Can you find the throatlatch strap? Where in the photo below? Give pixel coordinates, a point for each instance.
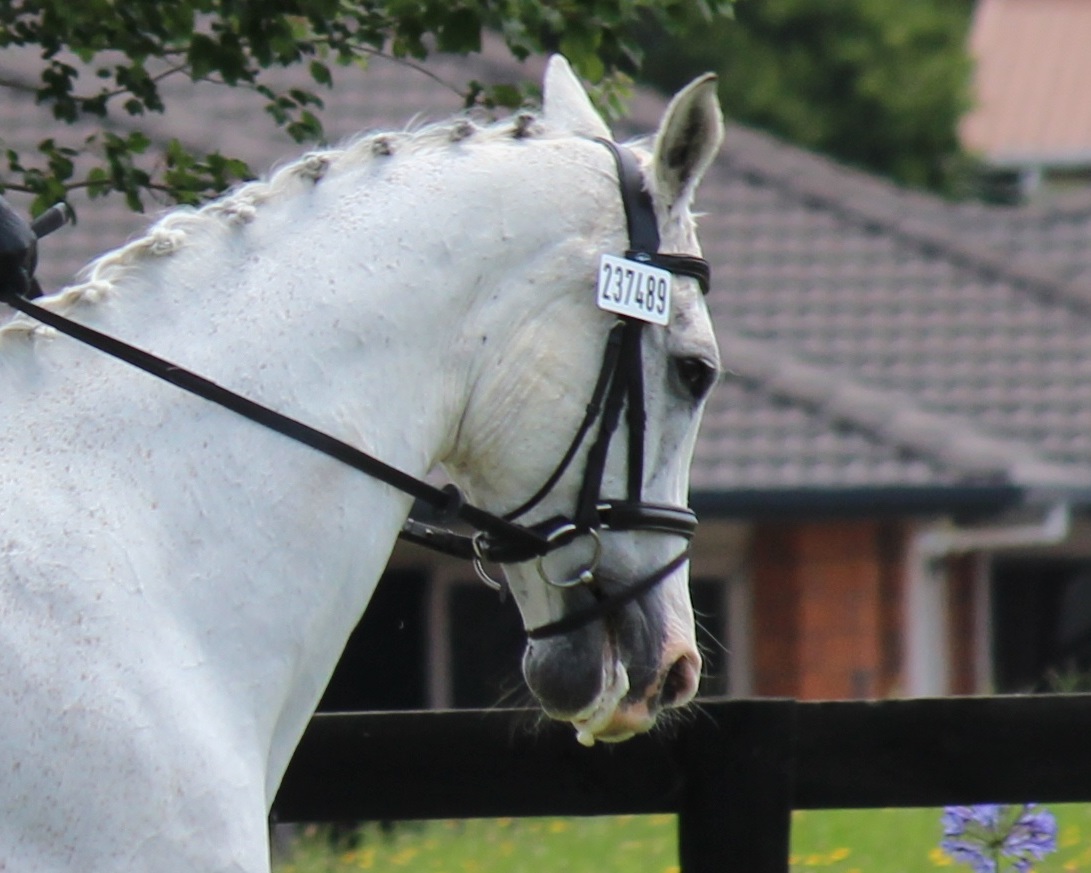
(591, 414)
(587, 516)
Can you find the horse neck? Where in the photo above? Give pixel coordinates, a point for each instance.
(340, 309)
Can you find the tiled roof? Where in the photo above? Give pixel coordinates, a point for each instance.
(1033, 72)
(982, 353)
(876, 340)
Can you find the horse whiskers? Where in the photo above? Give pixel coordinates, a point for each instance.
(710, 637)
(695, 710)
(516, 694)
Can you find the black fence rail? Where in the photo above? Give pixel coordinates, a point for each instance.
(733, 772)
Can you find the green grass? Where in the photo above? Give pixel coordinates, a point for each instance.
(875, 841)
(604, 845)
(844, 841)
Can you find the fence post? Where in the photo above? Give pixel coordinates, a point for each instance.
(736, 808)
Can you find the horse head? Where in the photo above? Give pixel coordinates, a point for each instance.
(608, 614)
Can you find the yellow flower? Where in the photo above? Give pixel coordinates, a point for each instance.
(939, 858)
(558, 826)
(403, 857)
(840, 854)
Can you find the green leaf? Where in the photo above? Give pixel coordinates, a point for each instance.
(460, 32)
(201, 56)
(321, 73)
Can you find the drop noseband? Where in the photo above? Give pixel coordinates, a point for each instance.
(501, 539)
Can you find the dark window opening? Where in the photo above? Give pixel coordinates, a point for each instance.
(710, 610)
(487, 643)
(384, 663)
(1042, 625)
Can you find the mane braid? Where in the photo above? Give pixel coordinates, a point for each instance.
(101, 277)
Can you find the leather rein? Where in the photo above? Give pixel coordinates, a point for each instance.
(497, 538)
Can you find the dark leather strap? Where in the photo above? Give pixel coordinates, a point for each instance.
(640, 216)
(681, 265)
(608, 605)
(591, 415)
(662, 517)
(448, 501)
(642, 223)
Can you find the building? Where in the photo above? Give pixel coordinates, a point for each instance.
(1031, 123)
(893, 478)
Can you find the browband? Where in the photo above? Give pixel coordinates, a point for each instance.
(641, 221)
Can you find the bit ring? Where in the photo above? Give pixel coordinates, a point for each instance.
(586, 574)
(479, 565)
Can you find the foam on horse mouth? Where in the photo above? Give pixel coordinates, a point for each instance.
(591, 722)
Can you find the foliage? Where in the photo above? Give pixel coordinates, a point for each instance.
(880, 84)
(105, 60)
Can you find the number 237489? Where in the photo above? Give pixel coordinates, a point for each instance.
(631, 288)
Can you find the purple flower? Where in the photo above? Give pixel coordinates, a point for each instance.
(988, 834)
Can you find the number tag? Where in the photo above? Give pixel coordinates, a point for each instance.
(631, 288)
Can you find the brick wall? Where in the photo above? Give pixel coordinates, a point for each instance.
(961, 609)
(827, 609)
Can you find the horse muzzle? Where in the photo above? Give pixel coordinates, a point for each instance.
(611, 682)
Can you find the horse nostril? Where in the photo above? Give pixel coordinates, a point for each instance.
(680, 683)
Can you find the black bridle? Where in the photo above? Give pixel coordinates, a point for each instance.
(497, 538)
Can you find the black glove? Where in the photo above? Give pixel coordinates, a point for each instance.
(18, 253)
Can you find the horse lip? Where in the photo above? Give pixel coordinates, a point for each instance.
(593, 721)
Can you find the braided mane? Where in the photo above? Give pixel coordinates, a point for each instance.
(178, 227)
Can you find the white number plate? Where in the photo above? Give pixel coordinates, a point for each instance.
(634, 289)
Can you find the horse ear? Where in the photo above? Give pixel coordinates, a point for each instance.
(565, 103)
(688, 138)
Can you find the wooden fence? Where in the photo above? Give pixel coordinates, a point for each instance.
(732, 772)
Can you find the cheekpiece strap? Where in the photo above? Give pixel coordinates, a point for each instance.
(639, 212)
(642, 224)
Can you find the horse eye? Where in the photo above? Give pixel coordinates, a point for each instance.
(696, 375)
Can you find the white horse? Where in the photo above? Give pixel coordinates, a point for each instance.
(177, 583)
